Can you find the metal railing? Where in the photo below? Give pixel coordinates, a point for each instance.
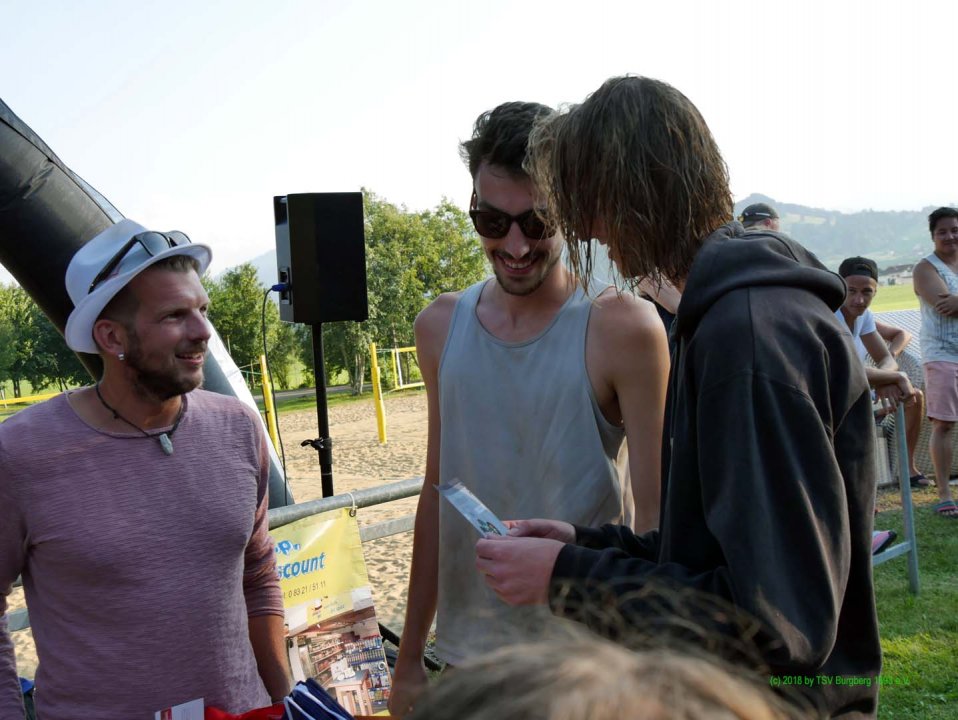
(910, 545)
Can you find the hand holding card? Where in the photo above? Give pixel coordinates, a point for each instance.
(472, 508)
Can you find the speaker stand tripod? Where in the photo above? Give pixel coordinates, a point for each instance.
(323, 444)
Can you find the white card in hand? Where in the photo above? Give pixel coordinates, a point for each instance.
(471, 508)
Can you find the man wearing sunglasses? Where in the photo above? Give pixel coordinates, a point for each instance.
(765, 538)
(135, 510)
(533, 387)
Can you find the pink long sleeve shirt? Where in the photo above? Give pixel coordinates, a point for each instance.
(140, 569)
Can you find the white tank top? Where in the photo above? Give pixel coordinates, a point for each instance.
(939, 333)
(521, 428)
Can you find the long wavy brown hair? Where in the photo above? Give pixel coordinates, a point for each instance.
(636, 161)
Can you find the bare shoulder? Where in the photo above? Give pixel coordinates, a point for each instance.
(626, 342)
(622, 317)
(432, 324)
(884, 328)
(627, 353)
(922, 269)
(927, 281)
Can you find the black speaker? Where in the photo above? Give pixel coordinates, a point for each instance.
(321, 254)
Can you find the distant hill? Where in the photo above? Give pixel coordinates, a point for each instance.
(265, 265)
(888, 237)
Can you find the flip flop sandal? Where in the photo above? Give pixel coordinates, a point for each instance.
(946, 509)
(881, 539)
(919, 481)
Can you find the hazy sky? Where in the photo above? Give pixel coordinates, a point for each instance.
(192, 115)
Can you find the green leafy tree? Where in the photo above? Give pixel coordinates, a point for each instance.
(18, 317)
(410, 259)
(282, 349)
(8, 348)
(55, 364)
(304, 353)
(454, 258)
(236, 307)
(33, 349)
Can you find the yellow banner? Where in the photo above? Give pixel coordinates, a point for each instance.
(332, 634)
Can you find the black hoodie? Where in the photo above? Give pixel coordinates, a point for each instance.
(771, 490)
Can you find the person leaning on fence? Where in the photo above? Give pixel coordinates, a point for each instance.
(136, 509)
(892, 387)
(936, 284)
(883, 344)
(533, 387)
(769, 499)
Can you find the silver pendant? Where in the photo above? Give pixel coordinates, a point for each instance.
(166, 444)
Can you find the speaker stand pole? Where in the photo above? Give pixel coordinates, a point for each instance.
(323, 444)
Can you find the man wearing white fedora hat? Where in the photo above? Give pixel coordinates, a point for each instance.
(135, 510)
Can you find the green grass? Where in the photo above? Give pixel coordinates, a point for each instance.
(919, 634)
(11, 406)
(26, 389)
(895, 297)
(309, 401)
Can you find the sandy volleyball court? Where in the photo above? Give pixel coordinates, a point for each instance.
(359, 461)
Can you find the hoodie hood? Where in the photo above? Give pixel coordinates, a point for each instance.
(732, 258)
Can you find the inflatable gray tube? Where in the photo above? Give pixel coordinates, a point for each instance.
(46, 214)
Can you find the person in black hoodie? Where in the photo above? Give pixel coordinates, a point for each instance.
(768, 504)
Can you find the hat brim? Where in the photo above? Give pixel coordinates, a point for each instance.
(79, 328)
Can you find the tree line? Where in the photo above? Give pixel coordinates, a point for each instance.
(411, 257)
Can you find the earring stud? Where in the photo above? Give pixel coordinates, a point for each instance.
(121, 357)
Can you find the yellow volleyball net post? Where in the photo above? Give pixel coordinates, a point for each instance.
(403, 377)
(268, 402)
(25, 399)
(377, 395)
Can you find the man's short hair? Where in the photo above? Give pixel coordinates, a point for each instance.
(501, 137)
(756, 213)
(859, 266)
(940, 214)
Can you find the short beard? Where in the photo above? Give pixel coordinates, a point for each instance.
(524, 291)
(149, 383)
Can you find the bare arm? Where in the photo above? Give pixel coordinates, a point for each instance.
(932, 289)
(267, 636)
(889, 383)
(264, 599)
(878, 351)
(12, 562)
(895, 338)
(410, 678)
(628, 359)
(891, 387)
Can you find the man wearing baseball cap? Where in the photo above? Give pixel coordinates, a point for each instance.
(760, 216)
(135, 510)
(883, 344)
(891, 386)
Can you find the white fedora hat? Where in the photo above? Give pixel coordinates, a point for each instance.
(90, 260)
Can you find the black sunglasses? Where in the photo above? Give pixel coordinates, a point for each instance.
(495, 224)
(153, 242)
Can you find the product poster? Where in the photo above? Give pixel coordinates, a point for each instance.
(332, 634)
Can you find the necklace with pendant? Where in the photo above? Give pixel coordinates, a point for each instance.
(165, 438)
